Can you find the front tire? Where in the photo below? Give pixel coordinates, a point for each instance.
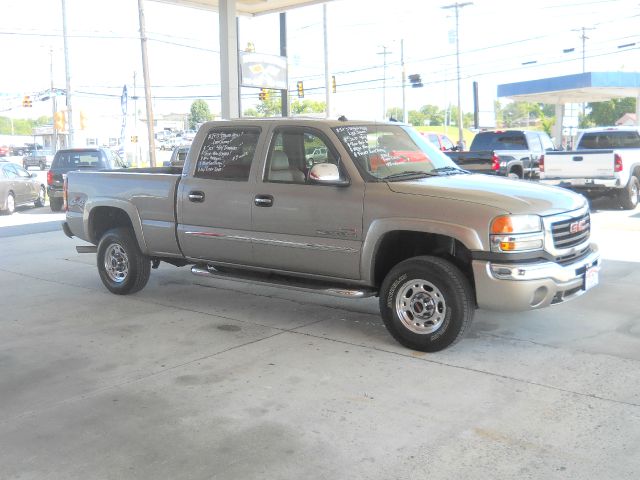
(629, 195)
(426, 303)
(10, 205)
(123, 268)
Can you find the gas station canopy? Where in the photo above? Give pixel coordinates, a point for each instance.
(579, 88)
(248, 7)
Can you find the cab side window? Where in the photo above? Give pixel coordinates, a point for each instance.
(293, 154)
(227, 154)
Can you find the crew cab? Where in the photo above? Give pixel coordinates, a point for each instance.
(511, 153)
(605, 162)
(431, 240)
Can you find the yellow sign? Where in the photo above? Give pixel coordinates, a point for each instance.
(134, 139)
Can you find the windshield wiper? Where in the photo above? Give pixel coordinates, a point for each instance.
(408, 175)
(450, 170)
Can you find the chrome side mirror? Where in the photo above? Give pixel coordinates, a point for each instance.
(326, 174)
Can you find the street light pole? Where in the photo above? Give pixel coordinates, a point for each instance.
(457, 6)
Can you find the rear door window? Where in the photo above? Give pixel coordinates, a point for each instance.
(80, 160)
(499, 141)
(612, 139)
(227, 154)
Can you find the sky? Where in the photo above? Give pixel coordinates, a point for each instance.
(497, 39)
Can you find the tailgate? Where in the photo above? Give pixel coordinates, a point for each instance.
(579, 164)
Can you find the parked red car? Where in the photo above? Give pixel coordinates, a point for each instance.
(440, 140)
(4, 151)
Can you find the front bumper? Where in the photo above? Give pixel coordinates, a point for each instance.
(528, 286)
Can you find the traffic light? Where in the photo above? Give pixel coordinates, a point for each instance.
(83, 120)
(26, 101)
(300, 89)
(415, 80)
(333, 83)
(59, 121)
(263, 95)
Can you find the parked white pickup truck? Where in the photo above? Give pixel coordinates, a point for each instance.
(606, 162)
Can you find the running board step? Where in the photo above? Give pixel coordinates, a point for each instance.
(283, 282)
(86, 249)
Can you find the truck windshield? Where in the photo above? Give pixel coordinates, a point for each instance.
(612, 139)
(499, 141)
(390, 151)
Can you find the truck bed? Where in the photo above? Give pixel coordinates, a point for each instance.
(579, 164)
(150, 192)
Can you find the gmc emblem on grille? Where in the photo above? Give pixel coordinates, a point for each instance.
(577, 227)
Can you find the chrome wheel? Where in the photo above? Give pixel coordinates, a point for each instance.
(633, 192)
(420, 306)
(116, 263)
(11, 203)
(41, 197)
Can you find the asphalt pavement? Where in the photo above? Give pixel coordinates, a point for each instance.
(205, 379)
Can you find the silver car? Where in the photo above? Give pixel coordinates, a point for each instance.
(18, 187)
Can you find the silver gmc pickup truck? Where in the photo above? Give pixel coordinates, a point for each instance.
(380, 213)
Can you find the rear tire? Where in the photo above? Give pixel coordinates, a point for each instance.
(426, 303)
(55, 204)
(123, 268)
(628, 197)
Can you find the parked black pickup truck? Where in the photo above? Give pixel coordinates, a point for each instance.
(511, 153)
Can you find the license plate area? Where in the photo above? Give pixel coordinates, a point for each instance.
(591, 277)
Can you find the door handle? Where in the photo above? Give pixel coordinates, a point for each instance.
(196, 196)
(263, 200)
(578, 159)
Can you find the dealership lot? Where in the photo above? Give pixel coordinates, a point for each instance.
(196, 378)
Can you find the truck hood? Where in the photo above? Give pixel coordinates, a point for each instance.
(512, 196)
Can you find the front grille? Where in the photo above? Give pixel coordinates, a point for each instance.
(571, 232)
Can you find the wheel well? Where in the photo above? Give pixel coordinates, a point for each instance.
(401, 245)
(106, 218)
(636, 172)
(516, 169)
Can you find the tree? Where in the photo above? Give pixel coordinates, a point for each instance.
(433, 114)
(606, 113)
(416, 118)
(22, 126)
(307, 106)
(395, 112)
(199, 113)
(270, 107)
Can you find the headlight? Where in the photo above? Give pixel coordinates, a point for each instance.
(516, 233)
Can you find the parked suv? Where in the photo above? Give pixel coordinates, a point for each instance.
(77, 159)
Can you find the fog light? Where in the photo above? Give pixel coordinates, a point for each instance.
(538, 296)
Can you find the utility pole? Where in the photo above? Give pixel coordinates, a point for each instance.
(53, 105)
(584, 38)
(67, 69)
(457, 6)
(327, 80)
(405, 116)
(135, 117)
(384, 53)
(147, 85)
